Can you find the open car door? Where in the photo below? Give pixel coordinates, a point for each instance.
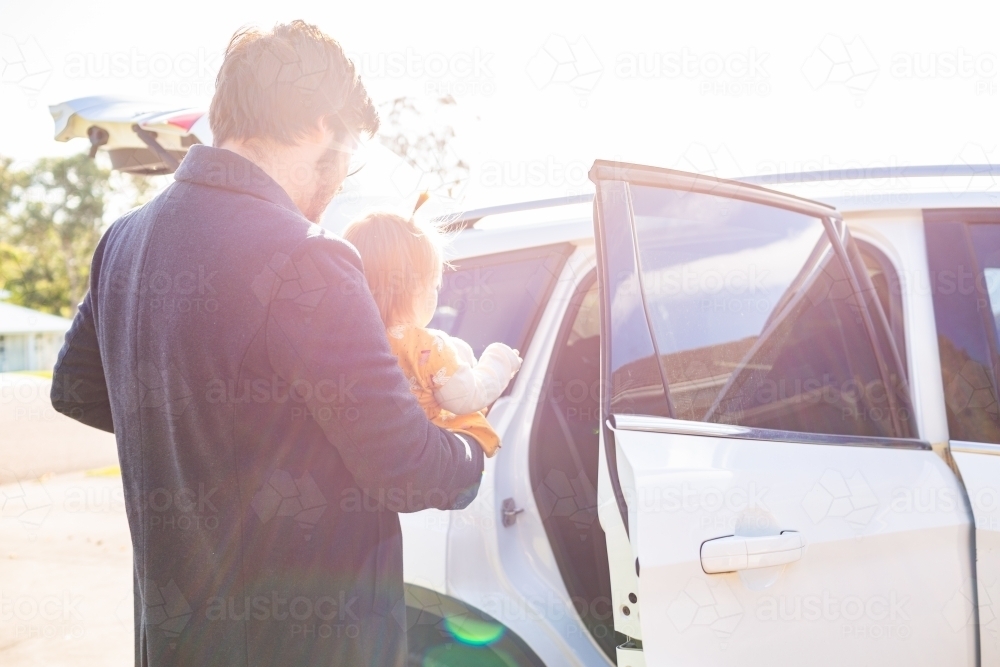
(765, 495)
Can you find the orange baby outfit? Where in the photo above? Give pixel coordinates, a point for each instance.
(430, 359)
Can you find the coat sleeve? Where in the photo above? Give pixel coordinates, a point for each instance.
(325, 338)
(79, 388)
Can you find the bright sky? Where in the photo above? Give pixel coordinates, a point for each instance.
(545, 88)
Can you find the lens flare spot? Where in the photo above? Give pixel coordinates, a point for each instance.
(472, 631)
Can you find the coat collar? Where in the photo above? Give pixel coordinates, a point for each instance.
(221, 168)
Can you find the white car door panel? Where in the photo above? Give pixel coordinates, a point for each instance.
(884, 563)
(763, 465)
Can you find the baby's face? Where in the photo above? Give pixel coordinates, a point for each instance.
(427, 302)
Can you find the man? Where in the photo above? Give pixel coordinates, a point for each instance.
(266, 435)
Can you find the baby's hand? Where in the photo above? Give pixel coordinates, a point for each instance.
(504, 354)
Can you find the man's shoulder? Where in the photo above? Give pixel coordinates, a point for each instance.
(323, 245)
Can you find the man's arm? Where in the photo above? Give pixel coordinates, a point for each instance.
(326, 339)
(79, 389)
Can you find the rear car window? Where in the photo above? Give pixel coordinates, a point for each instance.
(498, 298)
(963, 253)
(756, 321)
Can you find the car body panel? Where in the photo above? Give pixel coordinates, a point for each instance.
(870, 588)
(869, 545)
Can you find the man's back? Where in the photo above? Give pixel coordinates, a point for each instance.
(266, 435)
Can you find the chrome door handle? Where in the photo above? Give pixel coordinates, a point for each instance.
(729, 554)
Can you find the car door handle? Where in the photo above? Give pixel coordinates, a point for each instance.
(729, 554)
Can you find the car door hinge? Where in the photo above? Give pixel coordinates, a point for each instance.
(509, 512)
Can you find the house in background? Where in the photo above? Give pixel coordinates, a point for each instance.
(29, 340)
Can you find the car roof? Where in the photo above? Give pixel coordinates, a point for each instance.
(568, 219)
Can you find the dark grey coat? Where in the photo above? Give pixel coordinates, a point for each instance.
(267, 437)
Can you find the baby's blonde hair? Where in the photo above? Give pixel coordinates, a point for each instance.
(401, 259)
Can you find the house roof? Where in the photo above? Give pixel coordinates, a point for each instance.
(17, 319)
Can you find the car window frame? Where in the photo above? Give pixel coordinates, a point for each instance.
(838, 236)
(899, 334)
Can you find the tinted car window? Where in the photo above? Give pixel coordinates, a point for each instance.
(964, 261)
(756, 320)
(498, 298)
(637, 385)
(888, 291)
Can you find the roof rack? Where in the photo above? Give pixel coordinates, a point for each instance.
(466, 219)
(862, 173)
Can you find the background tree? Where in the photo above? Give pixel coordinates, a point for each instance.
(54, 211)
(52, 215)
(418, 130)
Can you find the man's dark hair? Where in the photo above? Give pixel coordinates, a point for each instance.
(276, 85)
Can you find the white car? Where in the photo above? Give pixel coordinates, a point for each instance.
(750, 429)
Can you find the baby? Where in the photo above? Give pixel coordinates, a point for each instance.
(403, 265)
